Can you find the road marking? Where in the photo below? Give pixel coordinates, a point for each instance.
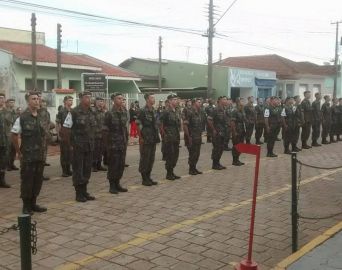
(309, 246)
(144, 237)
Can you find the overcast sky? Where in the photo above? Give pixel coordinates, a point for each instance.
(296, 29)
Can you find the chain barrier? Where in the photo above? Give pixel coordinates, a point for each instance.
(34, 235)
(301, 164)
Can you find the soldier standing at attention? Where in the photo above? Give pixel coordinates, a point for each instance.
(289, 124)
(238, 130)
(99, 112)
(82, 123)
(339, 120)
(317, 119)
(192, 126)
(307, 111)
(169, 129)
(45, 120)
(260, 121)
(4, 142)
(218, 124)
(30, 153)
(272, 116)
(298, 122)
(326, 120)
(12, 116)
(115, 126)
(229, 110)
(64, 135)
(148, 139)
(334, 121)
(209, 110)
(250, 119)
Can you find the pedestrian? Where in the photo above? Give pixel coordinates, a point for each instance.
(288, 116)
(192, 126)
(148, 139)
(308, 118)
(64, 136)
(250, 118)
(30, 153)
(218, 124)
(82, 123)
(99, 111)
(260, 121)
(272, 116)
(4, 141)
(316, 119)
(239, 121)
(326, 113)
(170, 131)
(115, 127)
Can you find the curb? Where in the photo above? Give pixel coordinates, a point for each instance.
(308, 247)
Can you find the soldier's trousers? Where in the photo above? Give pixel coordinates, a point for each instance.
(316, 130)
(326, 128)
(209, 134)
(227, 139)
(116, 164)
(194, 153)
(31, 174)
(249, 132)
(288, 136)
(239, 138)
(218, 147)
(65, 156)
(259, 130)
(306, 129)
(171, 152)
(271, 138)
(296, 132)
(147, 155)
(81, 166)
(3, 158)
(11, 155)
(98, 152)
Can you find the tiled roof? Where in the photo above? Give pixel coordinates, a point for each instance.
(46, 54)
(285, 68)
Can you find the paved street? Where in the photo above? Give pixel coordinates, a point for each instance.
(197, 222)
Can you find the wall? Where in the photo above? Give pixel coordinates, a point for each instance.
(310, 81)
(7, 81)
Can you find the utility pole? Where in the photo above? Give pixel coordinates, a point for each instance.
(210, 48)
(336, 59)
(160, 65)
(34, 51)
(59, 62)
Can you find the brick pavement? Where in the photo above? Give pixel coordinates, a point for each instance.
(198, 222)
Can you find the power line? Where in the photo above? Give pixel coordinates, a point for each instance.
(224, 13)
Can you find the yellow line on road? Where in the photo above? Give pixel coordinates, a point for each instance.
(142, 238)
(308, 247)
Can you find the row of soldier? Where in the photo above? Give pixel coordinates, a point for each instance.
(85, 131)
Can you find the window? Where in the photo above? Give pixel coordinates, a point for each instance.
(50, 85)
(42, 85)
(289, 90)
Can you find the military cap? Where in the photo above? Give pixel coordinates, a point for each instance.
(115, 95)
(99, 98)
(172, 95)
(10, 99)
(84, 93)
(67, 97)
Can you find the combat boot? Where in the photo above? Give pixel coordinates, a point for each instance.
(37, 208)
(295, 148)
(151, 180)
(3, 183)
(86, 194)
(27, 209)
(175, 176)
(197, 171)
(169, 175)
(315, 144)
(119, 187)
(145, 180)
(192, 171)
(79, 194)
(112, 188)
(217, 166)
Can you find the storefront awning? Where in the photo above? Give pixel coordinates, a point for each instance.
(265, 82)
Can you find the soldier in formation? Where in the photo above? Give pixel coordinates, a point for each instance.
(238, 120)
(4, 140)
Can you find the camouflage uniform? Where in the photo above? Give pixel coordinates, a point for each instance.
(273, 115)
(4, 145)
(239, 119)
(306, 128)
(98, 143)
(316, 120)
(149, 134)
(228, 111)
(259, 123)
(11, 117)
(250, 121)
(289, 114)
(65, 146)
(194, 121)
(45, 119)
(326, 122)
(115, 124)
(209, 110)
(298, 122)
(171, 124)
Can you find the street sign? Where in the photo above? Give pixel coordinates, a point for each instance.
(96, 83)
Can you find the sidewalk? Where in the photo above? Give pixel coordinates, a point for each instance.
(327, 256)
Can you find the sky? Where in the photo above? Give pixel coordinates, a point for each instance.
(300, 30)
